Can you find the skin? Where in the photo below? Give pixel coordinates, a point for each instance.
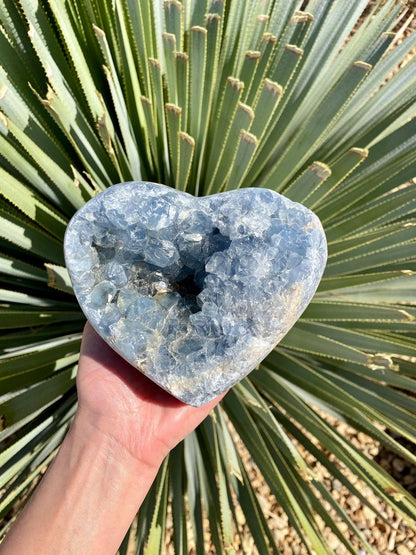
(124, 427)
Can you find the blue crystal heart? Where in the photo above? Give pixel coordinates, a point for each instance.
(194, 292)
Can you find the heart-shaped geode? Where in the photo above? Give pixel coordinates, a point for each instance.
(194, 292)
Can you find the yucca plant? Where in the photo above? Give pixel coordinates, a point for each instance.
(311, 99)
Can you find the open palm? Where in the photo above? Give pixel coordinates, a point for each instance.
(121, 402)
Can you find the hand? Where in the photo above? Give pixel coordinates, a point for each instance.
(121, 402)
(124, 426)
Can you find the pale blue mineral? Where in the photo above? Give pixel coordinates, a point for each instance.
(194, 292)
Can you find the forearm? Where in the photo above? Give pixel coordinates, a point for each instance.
(86, 500)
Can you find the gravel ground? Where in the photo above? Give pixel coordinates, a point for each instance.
(396, 537)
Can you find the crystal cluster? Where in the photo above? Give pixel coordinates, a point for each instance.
(194, 292)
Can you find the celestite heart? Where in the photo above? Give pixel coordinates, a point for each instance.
(194, 292)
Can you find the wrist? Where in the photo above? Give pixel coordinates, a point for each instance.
(118, 440)
(87, 499)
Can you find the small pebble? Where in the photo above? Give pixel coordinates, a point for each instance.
(399, 465)
(403, 550)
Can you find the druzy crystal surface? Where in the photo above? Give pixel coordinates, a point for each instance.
(194, 292)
